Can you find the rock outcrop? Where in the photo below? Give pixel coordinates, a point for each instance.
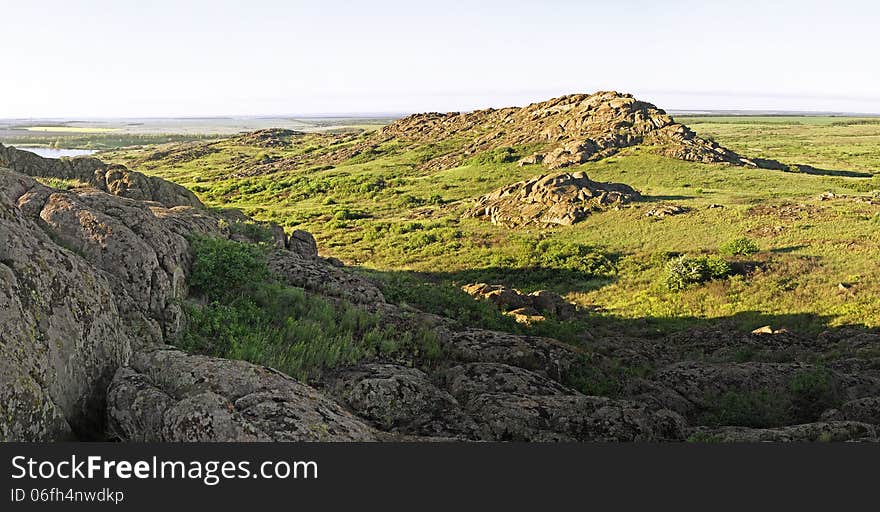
(555, 199)
(572, 129)
(512, 301)
(167, 395)
(835, 431)
(113, 179)
(91, 276)
(556, 133)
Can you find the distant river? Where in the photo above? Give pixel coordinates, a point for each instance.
(58, 153)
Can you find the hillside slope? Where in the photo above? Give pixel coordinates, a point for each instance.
(99, 280)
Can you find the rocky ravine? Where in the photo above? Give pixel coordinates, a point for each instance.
(92, 280)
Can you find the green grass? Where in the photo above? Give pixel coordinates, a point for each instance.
(385, 213)
(241, 312)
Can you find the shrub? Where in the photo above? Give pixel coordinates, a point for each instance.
(740, 246)
(347, 214)
(224, 269)
(684, 271)
(813, 392)
(256, 231)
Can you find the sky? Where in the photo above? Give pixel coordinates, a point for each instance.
(126, 58)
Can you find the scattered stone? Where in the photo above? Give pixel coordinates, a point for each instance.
(526, 315)
(666, 210)
(769, 330)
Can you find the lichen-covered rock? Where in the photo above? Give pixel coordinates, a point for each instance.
(320, 276)
(666, 210)
(473, 379)
(514, 417)
(543, 302)
(167, 395)
(556, 199)
(402, 399)
(61, 334)
(303, 243)
(865, 410)
(544, 355)
(693, 387)
(833, 431)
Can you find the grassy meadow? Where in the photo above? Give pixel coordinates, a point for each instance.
(816, 264)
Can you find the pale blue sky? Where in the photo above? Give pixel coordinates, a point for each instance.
(261, 57)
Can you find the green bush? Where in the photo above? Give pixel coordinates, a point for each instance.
(224, 269)
(684, 271)
(813, 392)
(740, 247)
(497, 156)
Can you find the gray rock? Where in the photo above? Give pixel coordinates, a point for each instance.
(513, 417)
(808, 432)
(547, 356)
(61, 335)
(556, 199)
(473, 379)
(113, 179)
(401, 399)
(167, 395)
(319, 276)
(303, 243)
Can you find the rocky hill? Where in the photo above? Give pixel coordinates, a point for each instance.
(559, 132)
(90, 301)
(94, 278)
(572, 129)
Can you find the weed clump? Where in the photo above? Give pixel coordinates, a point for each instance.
(739, 247)
(685, 271)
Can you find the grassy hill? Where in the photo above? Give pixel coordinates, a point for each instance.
(379, 204)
